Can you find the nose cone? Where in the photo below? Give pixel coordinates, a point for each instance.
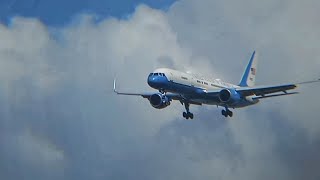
(157, 82)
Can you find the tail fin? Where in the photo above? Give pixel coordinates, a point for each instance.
(249, 76)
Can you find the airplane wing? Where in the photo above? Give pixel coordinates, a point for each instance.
(147, 95)
(266, 91)
(263, 90)
(144, 95)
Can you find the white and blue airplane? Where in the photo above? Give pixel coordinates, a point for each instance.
(190, 89)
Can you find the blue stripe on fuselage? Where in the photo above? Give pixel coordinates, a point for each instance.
(162, 83)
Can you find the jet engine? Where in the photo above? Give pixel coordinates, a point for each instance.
(159, 101)
(229, 96)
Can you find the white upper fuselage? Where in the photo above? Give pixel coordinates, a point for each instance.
(193, 80)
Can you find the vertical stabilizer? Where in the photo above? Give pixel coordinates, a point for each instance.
(249, 76)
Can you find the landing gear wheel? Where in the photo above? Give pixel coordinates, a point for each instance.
(227, 113)
(187, 114)
(224, 113)
(190, 115)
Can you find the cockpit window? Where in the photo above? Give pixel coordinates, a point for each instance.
(157, 74)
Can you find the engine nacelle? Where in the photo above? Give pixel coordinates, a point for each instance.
(159, 101)
(229, 96)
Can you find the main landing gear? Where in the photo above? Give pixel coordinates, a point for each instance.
(187, 114)
(227, 113)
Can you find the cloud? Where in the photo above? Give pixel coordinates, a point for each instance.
(60, 120)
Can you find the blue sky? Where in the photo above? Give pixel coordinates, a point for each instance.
(59, 12)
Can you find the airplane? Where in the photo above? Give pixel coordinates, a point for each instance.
(191, 89)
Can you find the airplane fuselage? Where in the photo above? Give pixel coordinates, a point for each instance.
(193, 88)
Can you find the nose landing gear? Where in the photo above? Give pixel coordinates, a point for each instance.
(162, 91)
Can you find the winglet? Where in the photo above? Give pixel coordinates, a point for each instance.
(114, 86)
(128, 93)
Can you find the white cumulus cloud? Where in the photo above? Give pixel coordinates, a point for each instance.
(60, 119)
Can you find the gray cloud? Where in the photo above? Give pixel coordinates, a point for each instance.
(60, 120)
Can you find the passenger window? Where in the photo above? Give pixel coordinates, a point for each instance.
(150, 74)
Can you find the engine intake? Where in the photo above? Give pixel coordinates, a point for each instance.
(229, 96)
(159, 101)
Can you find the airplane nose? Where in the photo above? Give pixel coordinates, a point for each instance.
(157, 82)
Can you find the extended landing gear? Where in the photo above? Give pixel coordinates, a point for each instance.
(227, 113)
(187, 114)
(162, 91)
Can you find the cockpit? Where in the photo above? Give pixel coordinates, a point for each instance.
(157, 80)
(157, 74)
